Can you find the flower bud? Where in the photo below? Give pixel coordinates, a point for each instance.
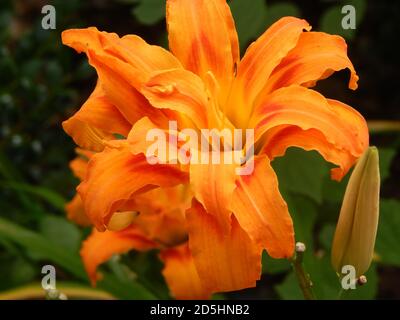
(121, 220)
(355, 234)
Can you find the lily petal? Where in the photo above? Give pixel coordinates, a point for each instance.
(131, 49)
(203, 37)
(91, 124)
(316, 56)
(79, 167)
(213, 186)
(74, 208)
(101, 246)
(181, 275)
(76, 212)
(224, 262)
(115, 175)
(278, 139)
(261, 211)
(118, 82)
(123, 65)
(162, 214)
(332, 128)
(259, 61)
(179, 90)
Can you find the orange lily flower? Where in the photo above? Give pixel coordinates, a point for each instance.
(74, 208)
(203, 83)
(159, 224)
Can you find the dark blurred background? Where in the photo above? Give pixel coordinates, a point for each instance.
(42, 83)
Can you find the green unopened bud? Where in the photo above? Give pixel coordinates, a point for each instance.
(355, 233)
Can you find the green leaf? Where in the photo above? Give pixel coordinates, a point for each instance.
(14, 270)
(385, 160)
(21, 271)
(48, 195)
(131, 290)
(326, 236)
(32, 241)
(289, 289)
(325, 282)
(333, 191)
(388, 238)
(250, 19)
(150, 12)
(331, 21)
(11, 174)
(35, 242)
(302, 173)
(304, 213)
(274, 266)
(61, 232)
(148, 269)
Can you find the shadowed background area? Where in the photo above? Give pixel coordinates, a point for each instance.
(43, 83)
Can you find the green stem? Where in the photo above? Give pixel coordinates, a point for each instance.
(303, 278)
(339, 297)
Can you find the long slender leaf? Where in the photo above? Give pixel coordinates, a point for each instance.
(46, 194)
(70, 262)
(71, 290)
(35, 242)
(10, 173)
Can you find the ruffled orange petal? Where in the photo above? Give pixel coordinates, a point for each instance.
(261, 211)
(332, 128)
(203, 37)
(316, 56)
(101, 246)
(131, 49)
(260, 59)
(137, 138)
(115, 175)
(85, 135)
(76, 212)
(79, 167)
(91, 124)
(181, 275)
(162, 214)
(74, 208)
(80, 163)
(280, 138)
(118, 82)
(123, 65)
(224, 262)
(213, 186)
(181, 91)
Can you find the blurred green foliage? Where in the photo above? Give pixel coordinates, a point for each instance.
(42, 83)
(332, 18)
